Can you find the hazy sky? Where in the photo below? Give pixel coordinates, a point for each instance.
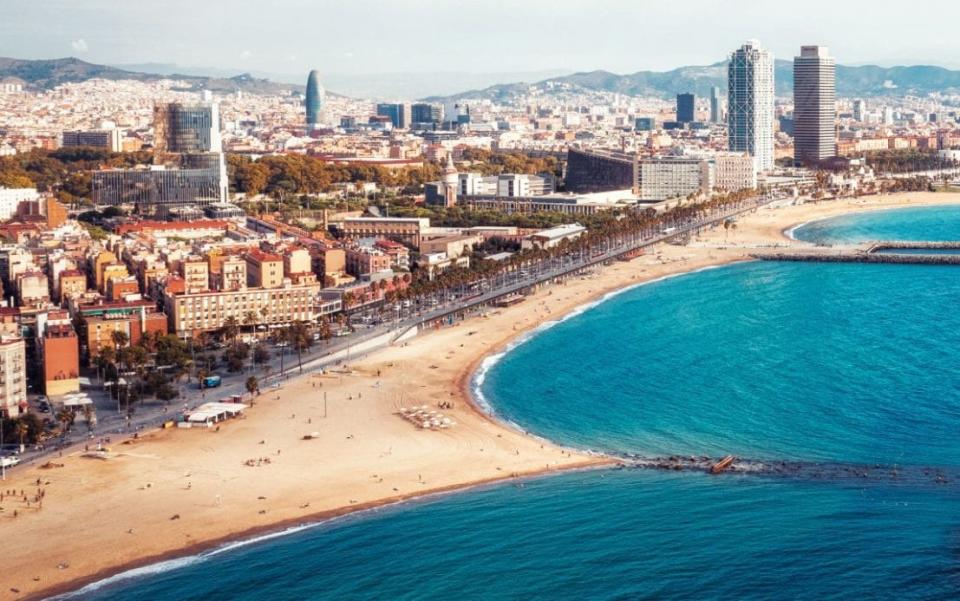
(365, 36)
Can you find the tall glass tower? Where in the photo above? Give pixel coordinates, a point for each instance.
(182, 128)
(750, 103)
(314, 101)
(814, 105)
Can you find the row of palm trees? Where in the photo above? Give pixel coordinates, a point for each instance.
(612, 230)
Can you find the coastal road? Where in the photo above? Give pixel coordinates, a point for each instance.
(445, 306)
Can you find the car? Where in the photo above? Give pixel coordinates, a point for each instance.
(9, 461)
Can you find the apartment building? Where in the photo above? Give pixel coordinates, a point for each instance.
(61, 360)
(734, 171)
(264, 270)
(13, 376)
(190, 314)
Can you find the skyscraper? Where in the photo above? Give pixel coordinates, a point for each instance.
(750, 103)
(314, 100)
(685, 108)
(814, 105)
(715, 108)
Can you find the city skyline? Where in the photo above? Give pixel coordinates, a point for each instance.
(274, 43)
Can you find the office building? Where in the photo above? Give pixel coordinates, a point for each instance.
(398, 113)
(423, 113)
(686, 108)
(644, 124)
(462, 186)
(716, 108)
(186, 128)
(600, 171)
(814, 106)
(107, 139)
(750, 90)
(314, 99)
(157, 186)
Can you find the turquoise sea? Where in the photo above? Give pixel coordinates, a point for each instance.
(814, 363)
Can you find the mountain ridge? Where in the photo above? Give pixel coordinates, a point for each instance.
(49, 73)
(859, 81)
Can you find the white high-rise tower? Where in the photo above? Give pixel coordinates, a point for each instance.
(750, 103)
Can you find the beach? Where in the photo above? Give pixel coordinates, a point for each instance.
(176, 492)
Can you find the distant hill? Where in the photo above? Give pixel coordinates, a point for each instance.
(45, 74)
(859, 81)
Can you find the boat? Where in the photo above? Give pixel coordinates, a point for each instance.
(722, 465)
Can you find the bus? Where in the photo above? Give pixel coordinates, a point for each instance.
(211, 381)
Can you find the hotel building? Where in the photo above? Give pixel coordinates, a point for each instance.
(750, 103)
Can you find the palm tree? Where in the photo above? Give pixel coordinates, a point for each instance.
(119, 338)
(88, 416)
(105, 357)
(253, 386)
(21, 430)
(65, 417)
(250, 320)
(202, 374)
(299, 336)
(281, 336)
(230, 328)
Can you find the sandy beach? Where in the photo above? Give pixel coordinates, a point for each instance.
(176, 492)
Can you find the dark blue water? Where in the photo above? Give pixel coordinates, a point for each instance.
(819, 362)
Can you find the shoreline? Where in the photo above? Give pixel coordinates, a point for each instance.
(68, 589)
(661, 262)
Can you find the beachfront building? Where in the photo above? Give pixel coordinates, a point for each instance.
(734, 171)
(554, 236)
(674, 177)
(190, 314)
(134, 318)
(61, 360)
(566, 203)
(13, 376)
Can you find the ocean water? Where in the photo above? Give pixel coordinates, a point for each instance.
(819, 363)
(916, 223)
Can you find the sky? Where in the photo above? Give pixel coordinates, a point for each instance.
(358, 37)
